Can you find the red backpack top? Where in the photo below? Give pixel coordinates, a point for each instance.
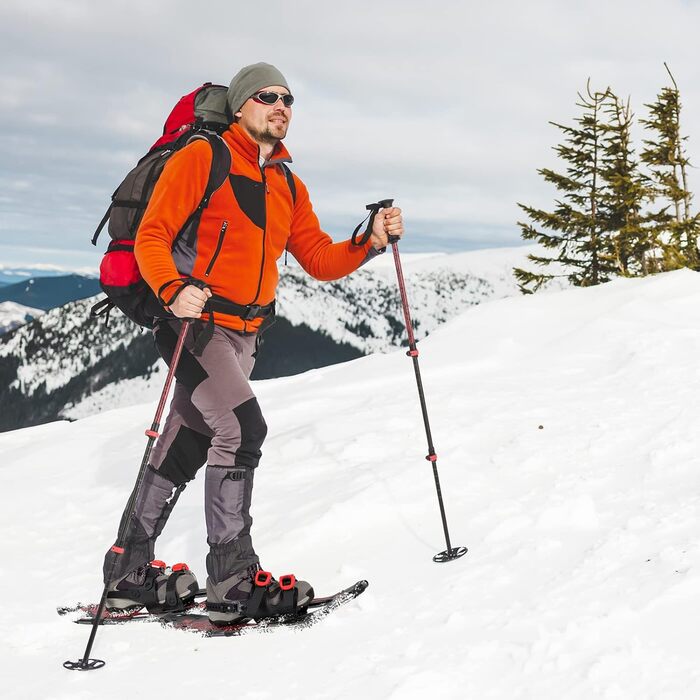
(203, 108)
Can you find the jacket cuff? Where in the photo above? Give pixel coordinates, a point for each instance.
(372, 252)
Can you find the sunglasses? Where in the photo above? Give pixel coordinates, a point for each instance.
(270, 98)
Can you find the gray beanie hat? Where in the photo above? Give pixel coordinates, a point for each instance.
(249, 80)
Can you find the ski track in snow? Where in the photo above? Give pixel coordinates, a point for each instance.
(583, 575)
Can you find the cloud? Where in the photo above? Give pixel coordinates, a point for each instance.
(444, 106)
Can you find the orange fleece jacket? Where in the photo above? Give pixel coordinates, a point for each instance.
(250, 220)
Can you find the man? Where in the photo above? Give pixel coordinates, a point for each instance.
(214, 416)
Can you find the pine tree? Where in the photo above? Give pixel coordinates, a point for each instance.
(578, 228)
(676, 227)
(631, 238)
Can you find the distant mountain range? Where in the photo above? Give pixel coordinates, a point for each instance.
(11, 274)
(66, 365)
(49, 292)
(25, 293)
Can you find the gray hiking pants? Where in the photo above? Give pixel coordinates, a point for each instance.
(215, 418)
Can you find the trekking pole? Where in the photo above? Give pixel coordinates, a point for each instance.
(86, 663)
(450, 552)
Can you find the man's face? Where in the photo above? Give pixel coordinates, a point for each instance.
(266, 123)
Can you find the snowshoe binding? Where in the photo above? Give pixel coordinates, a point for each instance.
(255, 595)
(154, 586)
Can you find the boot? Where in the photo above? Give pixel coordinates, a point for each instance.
(140, 527)
(255, 594)
(155, 587)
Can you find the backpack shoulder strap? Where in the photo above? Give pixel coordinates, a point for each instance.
(220, 164)
(290, 181)
(102, 223)
(220, 168)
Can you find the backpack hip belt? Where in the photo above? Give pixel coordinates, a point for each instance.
(205, 331)
(222, 305)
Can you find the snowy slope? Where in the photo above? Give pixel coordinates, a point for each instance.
(439, 286)
(68, 365)
(566, 428)
(13, 315)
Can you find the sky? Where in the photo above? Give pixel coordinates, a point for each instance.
(445, 107)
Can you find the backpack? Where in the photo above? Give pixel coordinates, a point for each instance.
(204, 114)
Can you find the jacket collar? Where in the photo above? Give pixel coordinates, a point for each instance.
(246, 147)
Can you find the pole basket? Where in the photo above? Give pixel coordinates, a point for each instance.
(450, 555)
(83, 665)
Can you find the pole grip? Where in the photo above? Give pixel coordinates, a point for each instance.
(373, 210)
(385, 204)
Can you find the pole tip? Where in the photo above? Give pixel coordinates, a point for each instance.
(451, 555)
(83, 665)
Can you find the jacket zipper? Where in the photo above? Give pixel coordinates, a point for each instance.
(264, 236)
(220, 242)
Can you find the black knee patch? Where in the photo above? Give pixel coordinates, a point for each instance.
(253, 432)
(188, 371)
(186, 455)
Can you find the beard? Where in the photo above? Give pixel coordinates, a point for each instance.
(271, 134)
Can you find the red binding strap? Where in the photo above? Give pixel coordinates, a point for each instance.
(263, 578)
(287, 582)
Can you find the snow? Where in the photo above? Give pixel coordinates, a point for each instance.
(63, 342)
(439, 286)
(565, 426)
(13, 314)
(125, 392)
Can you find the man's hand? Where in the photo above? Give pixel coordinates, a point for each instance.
(388, 222)
(190, 302)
